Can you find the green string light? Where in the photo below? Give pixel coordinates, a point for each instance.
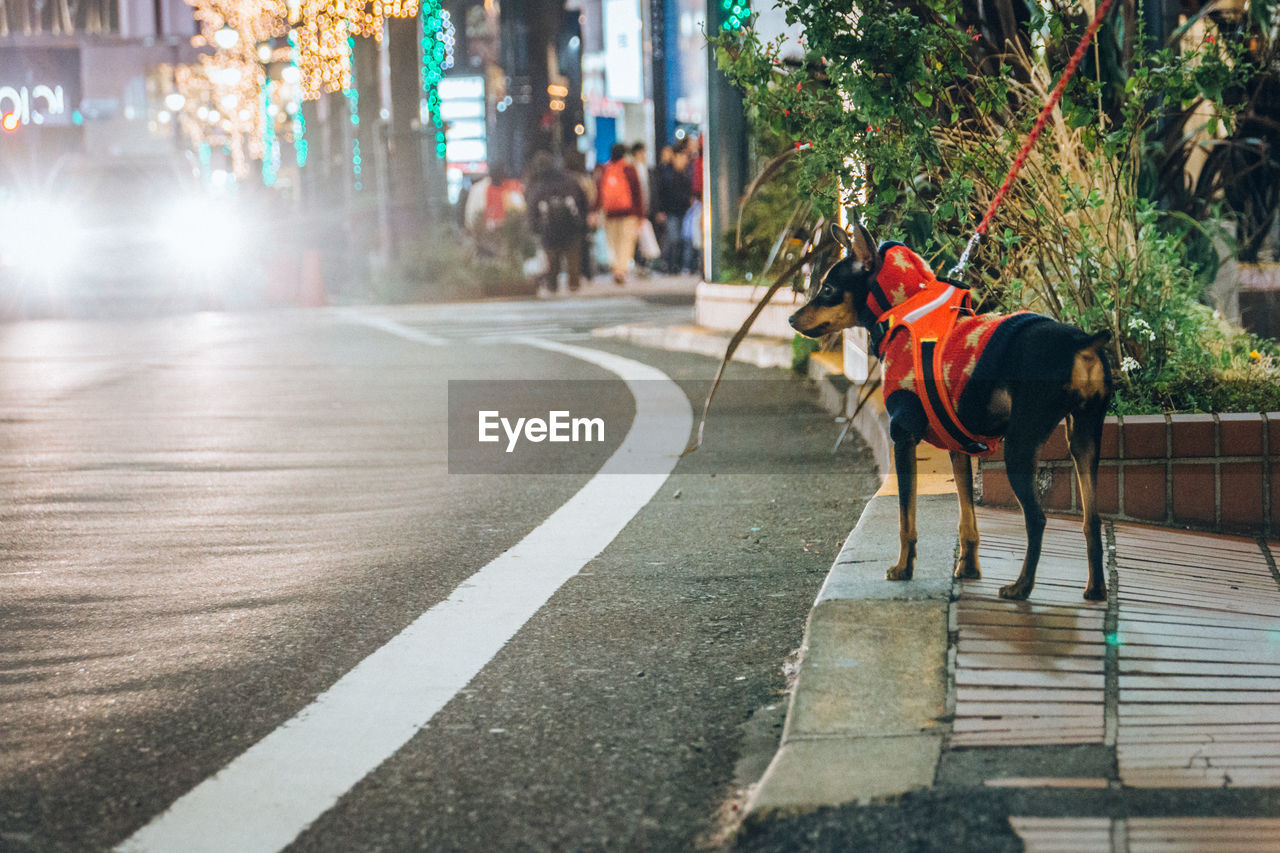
(353, 102)
(270, 145)
(438, 39)
(299, 123)
(737, 15)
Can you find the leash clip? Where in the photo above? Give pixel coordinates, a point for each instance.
(958, 270)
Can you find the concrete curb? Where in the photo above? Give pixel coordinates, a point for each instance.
(756, 350)
(868, 716)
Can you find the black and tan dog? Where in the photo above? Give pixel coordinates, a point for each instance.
(1030, 373)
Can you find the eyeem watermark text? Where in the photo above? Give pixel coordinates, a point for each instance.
(558, 426)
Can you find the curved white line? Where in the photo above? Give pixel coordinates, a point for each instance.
(393, 328)
(267, 796)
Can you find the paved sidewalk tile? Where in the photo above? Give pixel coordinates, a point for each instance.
(1178, 677)
(1028, 672)
(1199, 661)
(1148, 835)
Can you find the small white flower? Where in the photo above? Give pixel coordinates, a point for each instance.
(1129, 364)
(1139, 325)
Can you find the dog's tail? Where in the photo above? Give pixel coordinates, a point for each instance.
(1090, 377)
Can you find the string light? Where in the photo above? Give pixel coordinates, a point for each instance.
(737, 15)
(270, 146)
(324, 27)
(438, 39)
(353, 101)
(300, 145)
(319, 34)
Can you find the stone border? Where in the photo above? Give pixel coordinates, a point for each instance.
(724, 307)
(1216, 472)
(754, 349)
(868, 713)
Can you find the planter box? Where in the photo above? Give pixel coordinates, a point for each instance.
(1217, 472)
(857, 354)
(724, 307)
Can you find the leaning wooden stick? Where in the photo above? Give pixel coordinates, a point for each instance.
(812, 254)
(872, 387)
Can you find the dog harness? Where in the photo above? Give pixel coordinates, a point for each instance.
(930, 344)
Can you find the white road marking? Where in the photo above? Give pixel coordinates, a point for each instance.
(267, 796)
(392, 327)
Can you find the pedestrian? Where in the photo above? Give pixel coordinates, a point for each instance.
(648, 251)
(693, 219)
(492, 199)
(575, 163)
(622, 202)
(675, 193)
(557, 209)
(655, 212)
(502, 197)
(639, 156)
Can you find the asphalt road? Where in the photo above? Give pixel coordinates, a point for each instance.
(210, 520)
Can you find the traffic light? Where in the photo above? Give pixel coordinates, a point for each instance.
(736, 16)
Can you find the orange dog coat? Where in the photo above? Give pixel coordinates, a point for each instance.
(932, 346)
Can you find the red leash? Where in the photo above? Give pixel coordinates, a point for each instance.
(1041, 121)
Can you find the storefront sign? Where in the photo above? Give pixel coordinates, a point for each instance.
(624, 51)
(40, 87)
(34, 105)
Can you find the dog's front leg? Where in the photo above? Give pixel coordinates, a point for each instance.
(962, 469)
(904, 460)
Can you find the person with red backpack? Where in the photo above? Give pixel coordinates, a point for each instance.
(622, 202)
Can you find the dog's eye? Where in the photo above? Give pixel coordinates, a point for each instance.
(827, 291)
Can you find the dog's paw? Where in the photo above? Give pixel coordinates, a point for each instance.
(899, 573)
(967, 572)
(1015, 591)
(1095, 593)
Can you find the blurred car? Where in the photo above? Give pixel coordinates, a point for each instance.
(122, 235)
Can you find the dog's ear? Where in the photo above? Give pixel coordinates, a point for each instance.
(863, 248)
(841, 236)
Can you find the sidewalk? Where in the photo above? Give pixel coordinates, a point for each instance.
(1150, 722)
(934, 715)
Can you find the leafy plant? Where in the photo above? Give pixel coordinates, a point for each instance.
(447, 264)
(912, 113)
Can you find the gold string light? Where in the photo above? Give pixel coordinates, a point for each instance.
(229, 83)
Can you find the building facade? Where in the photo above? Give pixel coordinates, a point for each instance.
(90, 76)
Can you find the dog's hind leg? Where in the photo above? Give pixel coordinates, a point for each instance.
(962, 469)
(904, 460)
(1084, 430)
(1020, 465)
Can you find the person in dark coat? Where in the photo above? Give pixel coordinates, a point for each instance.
(558, 210)
(675, 193)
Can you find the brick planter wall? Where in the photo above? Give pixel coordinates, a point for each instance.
(1209, 472)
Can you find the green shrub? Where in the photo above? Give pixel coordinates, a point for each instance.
(914, 115)
(801, 349)
(448, 264)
